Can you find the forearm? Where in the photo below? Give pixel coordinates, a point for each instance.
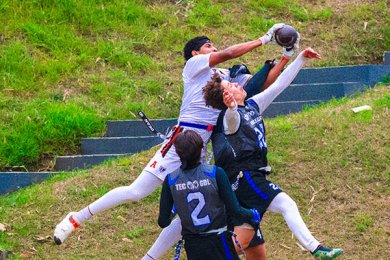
(233, 51)
(229, 198)
(166, 204)
(231, 120)
(241, 48)
(275, 72)
(265, 98)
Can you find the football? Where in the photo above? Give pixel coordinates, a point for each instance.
(286, 36)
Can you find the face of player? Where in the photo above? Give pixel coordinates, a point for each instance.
(238, 92)
(205, 49)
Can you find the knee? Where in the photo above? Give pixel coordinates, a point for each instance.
(135, 194)
(128, 193)
(288, 204)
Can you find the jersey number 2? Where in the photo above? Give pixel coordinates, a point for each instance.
(195, 213)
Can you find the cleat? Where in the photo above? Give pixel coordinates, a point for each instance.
(326, 253)
(65, 228)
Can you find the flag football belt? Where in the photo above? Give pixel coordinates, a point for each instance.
(175, 131)
(209, 128)
(216, 231)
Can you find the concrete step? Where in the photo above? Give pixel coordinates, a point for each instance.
(288, 107)
(367, 74)
(386, 58)
(318, 91)
(118, 145)
(65, 163)
(12, 181)
(120, 128)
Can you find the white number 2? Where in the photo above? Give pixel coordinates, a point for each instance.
(195, 213)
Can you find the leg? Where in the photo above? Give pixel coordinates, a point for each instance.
(167, 238)
(150, 178)
(145, 184)
(252, 242)
(256, 252)
(284, 205)
(244, 236)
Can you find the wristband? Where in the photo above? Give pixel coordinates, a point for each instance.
(284, 58)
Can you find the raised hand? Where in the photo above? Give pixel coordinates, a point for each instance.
(228, 99)
(266, 38)
(310, 53)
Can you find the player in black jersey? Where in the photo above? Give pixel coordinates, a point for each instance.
(201, 195)
(240, 147)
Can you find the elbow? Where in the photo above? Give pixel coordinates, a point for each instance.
(228, 54)
(163, 223)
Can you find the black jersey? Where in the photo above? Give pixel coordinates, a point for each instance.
(196, 199)
(247, 148)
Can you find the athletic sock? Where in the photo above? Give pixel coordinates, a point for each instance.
(83, 215)
(167, 238)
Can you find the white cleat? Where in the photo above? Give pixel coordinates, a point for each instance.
(65, 228)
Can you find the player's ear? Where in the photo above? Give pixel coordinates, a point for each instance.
(194, 53)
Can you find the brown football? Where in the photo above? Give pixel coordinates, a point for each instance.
(286, 36)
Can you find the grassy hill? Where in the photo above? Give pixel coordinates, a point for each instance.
(68, 66)
(334, 163)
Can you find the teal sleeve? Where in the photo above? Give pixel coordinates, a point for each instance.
(229, 198)
(166, 203)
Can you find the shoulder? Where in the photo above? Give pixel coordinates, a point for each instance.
(252, 104)
(200, 60)
(209, 170)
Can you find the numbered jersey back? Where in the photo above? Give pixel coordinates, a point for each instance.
(196, 198)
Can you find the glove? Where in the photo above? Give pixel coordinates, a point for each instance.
(256, 217)
(269, 35)
(288, 52)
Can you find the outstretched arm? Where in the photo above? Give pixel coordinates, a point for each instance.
(238, 50)
(265, 98)
(277, 69)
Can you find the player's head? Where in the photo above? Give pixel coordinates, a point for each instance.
(188, 145)
(198, 45)
(213, 92)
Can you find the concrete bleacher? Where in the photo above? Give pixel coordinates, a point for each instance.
(125, 137)
(311, 86)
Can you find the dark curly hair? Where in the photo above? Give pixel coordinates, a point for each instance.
(188, 145)
(194, 45)
(213, 93)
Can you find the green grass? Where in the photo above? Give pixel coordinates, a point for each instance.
(113, 58)
(332, 162)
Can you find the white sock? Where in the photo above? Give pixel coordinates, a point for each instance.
(145, 184)
(167, 238)
(284, 205)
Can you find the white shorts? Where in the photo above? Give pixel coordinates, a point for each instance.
(162, 166)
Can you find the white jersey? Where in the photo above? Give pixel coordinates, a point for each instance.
(193, 108)
(196, 73)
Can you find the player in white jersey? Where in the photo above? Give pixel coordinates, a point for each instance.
(194, 114)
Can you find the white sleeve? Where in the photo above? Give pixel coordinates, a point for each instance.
(265, 98)
(231, 121)
(195, 66)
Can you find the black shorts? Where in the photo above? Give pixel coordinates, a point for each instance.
(211, 246)
(255, 191)
(257, 238)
